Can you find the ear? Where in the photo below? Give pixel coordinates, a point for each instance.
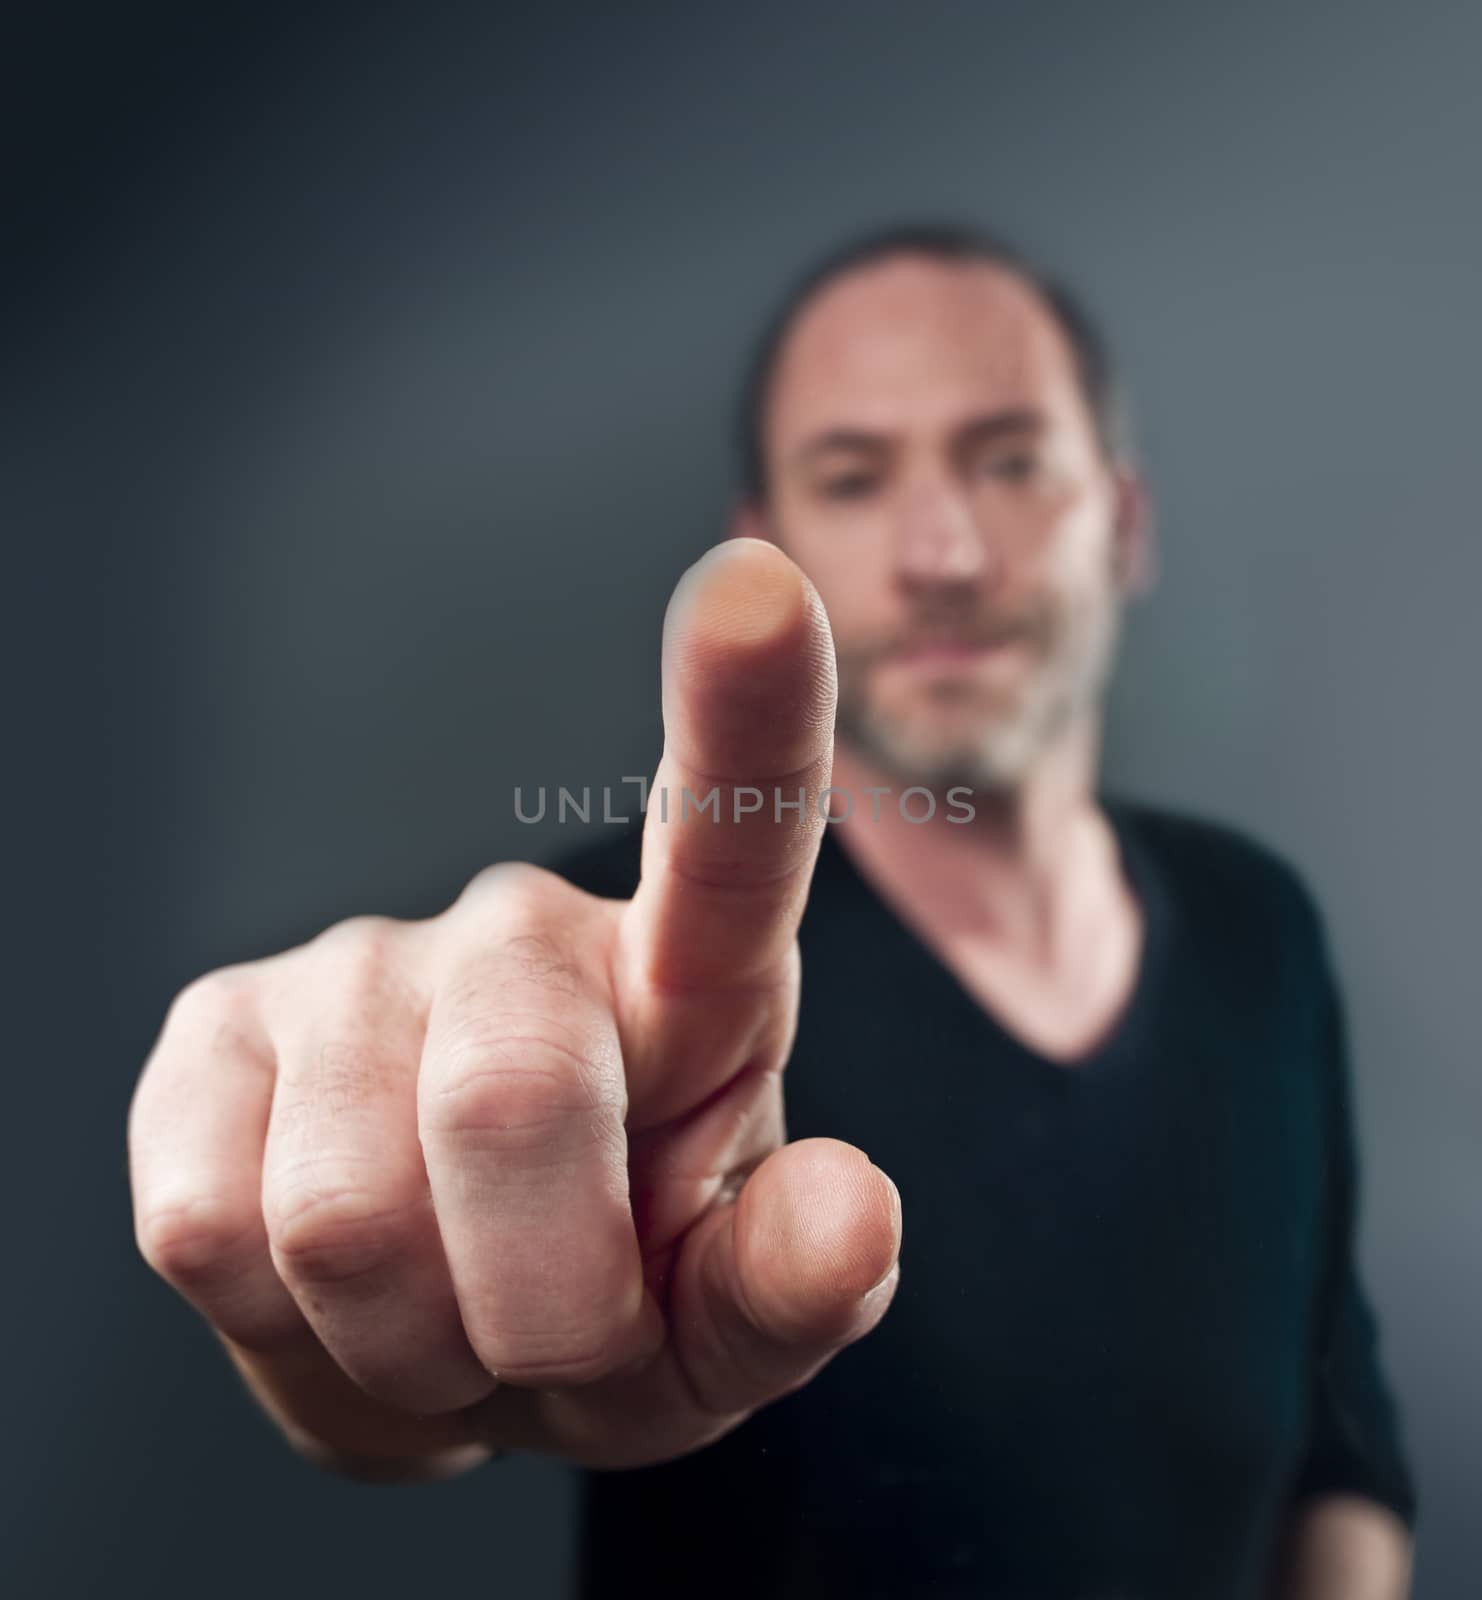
(1134, 547)
(749, 520)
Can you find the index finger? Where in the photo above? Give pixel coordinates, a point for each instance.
(733, 823)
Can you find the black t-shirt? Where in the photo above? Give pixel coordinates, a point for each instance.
(1129, 1330)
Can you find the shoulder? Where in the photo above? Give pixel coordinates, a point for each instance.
(606, 864)
(1247, 897)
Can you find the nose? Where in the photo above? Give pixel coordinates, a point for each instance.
(938, 537)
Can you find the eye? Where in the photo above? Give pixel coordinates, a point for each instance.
(1012, 467)
(849, 486)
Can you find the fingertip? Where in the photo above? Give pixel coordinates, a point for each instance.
(749, 679)
(743, 593)
(820, 1228)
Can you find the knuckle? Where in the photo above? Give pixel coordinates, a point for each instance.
(362, 958)
(325, 1229)
(512, 882)
(215, 997)
(359, 937)
(515, 901)
(197, 1242)
(520, 1087)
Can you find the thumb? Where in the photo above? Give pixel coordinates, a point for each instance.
(804, 1262)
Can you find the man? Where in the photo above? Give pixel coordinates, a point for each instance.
(516, 1177)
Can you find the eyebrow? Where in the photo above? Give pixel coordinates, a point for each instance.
(976, 430)
(1017, 419)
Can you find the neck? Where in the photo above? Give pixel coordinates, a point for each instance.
(1021, 868)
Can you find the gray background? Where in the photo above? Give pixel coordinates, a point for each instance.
(370, 390)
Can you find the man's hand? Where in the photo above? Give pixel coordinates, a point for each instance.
(516, 1176)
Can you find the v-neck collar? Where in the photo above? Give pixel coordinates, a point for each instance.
(1121, 1041)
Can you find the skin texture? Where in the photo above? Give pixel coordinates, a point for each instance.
(516, 1176)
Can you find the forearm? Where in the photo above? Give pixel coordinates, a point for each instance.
(1342, 1547)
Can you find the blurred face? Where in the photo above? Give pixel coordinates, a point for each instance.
(935, 470)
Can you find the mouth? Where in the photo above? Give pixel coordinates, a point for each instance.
(947, 654)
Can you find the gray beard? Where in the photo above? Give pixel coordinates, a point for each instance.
(1070, 685)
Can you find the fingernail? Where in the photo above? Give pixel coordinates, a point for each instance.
(881, 1289)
